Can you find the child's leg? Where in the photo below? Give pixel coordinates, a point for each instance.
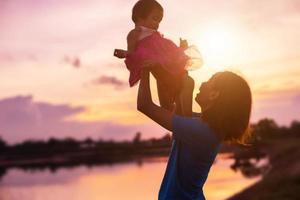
(185, 96)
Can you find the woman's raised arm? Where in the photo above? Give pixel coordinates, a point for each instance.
(145, 104)
(184, 99)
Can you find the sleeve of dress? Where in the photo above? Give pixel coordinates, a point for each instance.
(189, 129)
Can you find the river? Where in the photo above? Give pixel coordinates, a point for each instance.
(127, 181)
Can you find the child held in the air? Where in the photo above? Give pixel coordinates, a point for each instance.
(168, 63)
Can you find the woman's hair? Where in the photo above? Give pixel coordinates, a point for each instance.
(230, 114)
(143, 8)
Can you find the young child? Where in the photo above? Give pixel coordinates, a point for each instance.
(167, 61)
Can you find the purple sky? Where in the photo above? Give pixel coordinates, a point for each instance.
(59, 78)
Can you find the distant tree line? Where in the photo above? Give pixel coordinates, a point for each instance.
(267, 129)
(263, 130)
(35, 148)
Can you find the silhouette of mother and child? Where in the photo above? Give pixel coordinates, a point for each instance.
(225, 101)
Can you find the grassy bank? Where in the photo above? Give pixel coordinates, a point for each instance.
(282, 181)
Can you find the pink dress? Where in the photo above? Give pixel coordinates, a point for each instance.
(158, 49)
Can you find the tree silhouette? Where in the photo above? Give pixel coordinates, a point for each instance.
(137, 138)
(2, 145)
(295, 128)
(265, 129)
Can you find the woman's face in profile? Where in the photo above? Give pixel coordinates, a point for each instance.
(207, 94)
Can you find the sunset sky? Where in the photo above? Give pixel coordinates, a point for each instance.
(59, 78)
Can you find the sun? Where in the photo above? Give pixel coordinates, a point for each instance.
(218, 45)
(218, 42)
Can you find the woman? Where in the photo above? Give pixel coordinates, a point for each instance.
(225, 101)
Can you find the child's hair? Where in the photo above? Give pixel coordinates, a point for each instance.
(230, 114)
(143, 8)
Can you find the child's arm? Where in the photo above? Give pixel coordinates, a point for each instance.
(132, 39)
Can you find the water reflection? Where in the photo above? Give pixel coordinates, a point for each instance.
(129, 180)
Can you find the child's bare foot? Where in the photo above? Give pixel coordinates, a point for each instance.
(183, 44)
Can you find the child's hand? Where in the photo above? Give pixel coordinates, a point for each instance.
(120, 53)
(184, 44)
